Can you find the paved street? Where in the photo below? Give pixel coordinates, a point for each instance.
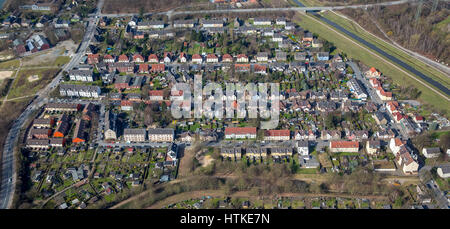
(252, 10)
(8, 160)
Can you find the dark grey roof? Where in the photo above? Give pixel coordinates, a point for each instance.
(134, 131)
(161, 131)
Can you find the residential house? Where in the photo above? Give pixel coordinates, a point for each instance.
(212, 23)
(277, 135)
(280, 56)
(278, 152)
(153, 58)
(255, 152)
(227, 58)
(62, 107)
(395, 144)
(432, 152)
(231, 152)
(126, 105)
(211, 58)
(443, 171)
(302, 148)
(241, 58)
(161, 135)
(79, 91)
(137, 58)
(156, 95)
(373, 147)
(262, 57)
(79, 135)
(240, 132)
(184, 23)
(196, 58)
(123, 59)
(134, 135)
(262, 21)
(344, 146)
(110, 126)
(93, 58)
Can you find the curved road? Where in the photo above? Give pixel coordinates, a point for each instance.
(8, 160)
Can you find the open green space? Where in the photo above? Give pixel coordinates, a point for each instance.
(353, 51)
(388, 48)
(24, 85)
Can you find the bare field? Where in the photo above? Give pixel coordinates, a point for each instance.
(5, 74)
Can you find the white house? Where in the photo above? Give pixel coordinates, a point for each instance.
(302, 148)
(431, 152)
(395, 145)
(443, 171)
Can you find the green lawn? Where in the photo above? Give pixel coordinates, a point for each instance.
(23, 87)
(10, 64)
(389, 48)
(353, 51)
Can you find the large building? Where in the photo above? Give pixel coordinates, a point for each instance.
(231, 152)
(277, 135)
(81, 75)
(240, 132)
(79, 91)
(356, 89)
(344, 146)
(110, 126)
(62, 107)
(161, 135)
(134, 135)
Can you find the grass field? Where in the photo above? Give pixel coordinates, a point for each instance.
(389, 48)
(10, 64)
(8, 115)
(356, 52)
(23, 87)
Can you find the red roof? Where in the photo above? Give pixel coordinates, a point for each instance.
(344, 144)
(277, 133)
(419, 118)
(373, 70)
(242, 66)
(211, 56)
(398, 142)
(196, 56)
(156, 93)
(126, 103)
(158, 67)
(259, 68)
(138, 57)
(227, 57)
(90, 56)
(152, 57)
(375, 82)
(384, 93)
(240, 130)
(107, 56)
(241, 55)
(143, 68)
(123, 57)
